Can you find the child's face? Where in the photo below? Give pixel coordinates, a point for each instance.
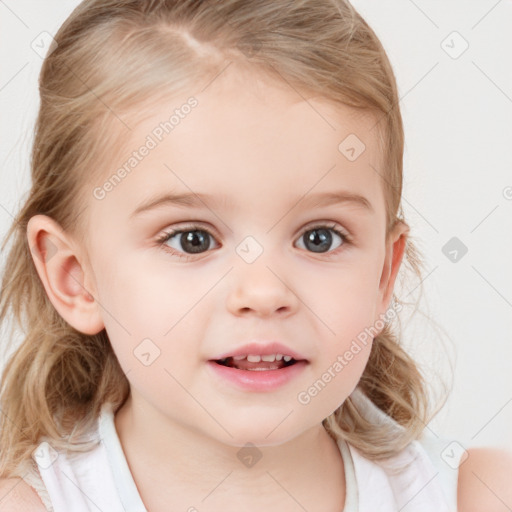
(263, 155)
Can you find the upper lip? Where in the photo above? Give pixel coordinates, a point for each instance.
(262, 349)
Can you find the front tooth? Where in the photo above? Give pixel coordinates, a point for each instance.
(253, 359)
(279, 357)
(270, 358)
(287, 358)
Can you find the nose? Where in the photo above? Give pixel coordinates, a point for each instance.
(261, 290)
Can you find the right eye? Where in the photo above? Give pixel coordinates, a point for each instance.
(319, 239)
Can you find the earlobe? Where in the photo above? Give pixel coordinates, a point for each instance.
(57, 262)
(395, 250)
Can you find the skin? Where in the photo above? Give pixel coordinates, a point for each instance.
(264, 147)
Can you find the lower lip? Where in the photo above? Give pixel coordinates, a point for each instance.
(258, 380)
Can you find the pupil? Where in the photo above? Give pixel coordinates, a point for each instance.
(320, 238)
(195, 241)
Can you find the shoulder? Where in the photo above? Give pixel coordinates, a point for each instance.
(484, 481)
(17, 496)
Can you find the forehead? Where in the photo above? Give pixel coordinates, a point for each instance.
(248, 138)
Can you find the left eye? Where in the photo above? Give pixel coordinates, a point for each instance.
(192, 241)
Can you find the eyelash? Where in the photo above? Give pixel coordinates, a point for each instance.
(345, 237)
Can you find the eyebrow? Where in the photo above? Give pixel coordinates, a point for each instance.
(200, 200)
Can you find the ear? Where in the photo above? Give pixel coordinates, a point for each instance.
(395, 248)
(57, 261)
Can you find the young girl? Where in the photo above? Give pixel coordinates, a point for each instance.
(204, 270)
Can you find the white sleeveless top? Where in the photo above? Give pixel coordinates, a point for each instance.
(416, 480)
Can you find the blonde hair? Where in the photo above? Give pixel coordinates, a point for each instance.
(113, 56)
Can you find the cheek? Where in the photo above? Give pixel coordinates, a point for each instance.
(336, 375)
(152, 315)
(345, 300)
(344, 304)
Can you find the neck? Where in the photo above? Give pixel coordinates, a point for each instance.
(174, 465)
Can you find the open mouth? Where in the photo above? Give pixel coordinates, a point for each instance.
(243, 363)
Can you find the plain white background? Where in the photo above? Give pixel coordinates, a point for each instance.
(452, 62)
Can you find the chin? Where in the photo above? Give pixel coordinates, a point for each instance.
(264, 433)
